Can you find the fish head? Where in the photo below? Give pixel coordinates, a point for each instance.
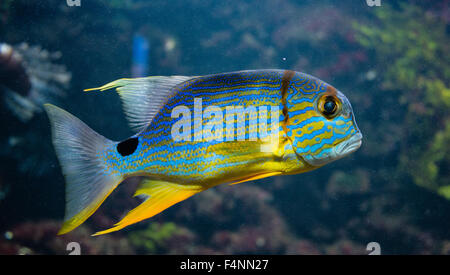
(321, 125)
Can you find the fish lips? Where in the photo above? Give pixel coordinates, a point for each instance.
(348, 146)
(341, 150)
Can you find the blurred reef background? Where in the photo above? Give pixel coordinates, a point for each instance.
(392, 62)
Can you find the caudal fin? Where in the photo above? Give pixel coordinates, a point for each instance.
(80, 151)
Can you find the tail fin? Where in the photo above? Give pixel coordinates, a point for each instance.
(79, 150)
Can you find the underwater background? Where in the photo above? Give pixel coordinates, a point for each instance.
(392, 62)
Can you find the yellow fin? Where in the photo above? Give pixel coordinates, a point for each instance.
(80, 217)
(161, 195)
(79, 150)
(257, 177)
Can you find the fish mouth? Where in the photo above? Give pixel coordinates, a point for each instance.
(348, 146)
(341, 150)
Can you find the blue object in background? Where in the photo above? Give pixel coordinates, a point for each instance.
(141, 49)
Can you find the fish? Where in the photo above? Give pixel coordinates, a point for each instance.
(196, 132)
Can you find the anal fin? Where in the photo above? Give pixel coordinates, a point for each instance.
(159, 195)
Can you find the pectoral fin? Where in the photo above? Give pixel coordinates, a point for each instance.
(159, 196)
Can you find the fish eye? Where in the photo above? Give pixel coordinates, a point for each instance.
(329, 106)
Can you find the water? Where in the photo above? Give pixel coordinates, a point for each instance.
(391, 61)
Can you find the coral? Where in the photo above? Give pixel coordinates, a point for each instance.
(411, 50)
(160, 238)
(238, 220)
(341, 183)
(303, 247)
(345, 247)
(29, 78)
(40, 238)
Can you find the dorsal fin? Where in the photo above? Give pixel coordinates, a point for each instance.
(142, 98)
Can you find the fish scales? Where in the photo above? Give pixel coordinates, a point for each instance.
(188, 159)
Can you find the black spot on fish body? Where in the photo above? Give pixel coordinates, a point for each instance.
(128, 146)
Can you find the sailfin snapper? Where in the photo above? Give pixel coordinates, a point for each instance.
(185, 143)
